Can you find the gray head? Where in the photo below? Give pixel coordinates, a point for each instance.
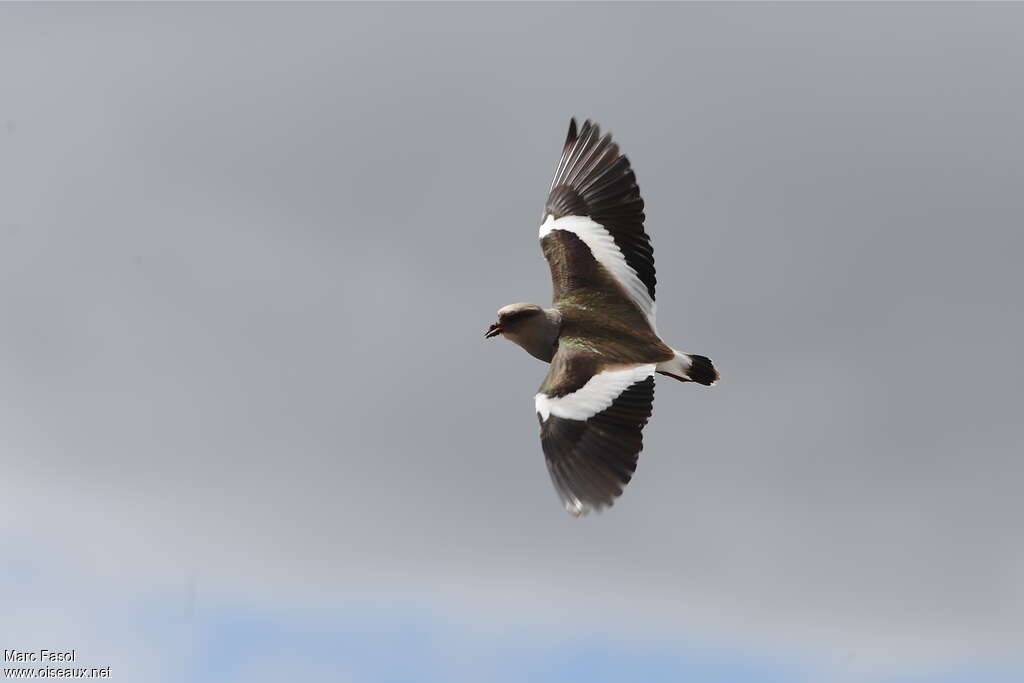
(513, 319)
(532, 327)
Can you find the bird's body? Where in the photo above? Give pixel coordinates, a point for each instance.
(599, 336)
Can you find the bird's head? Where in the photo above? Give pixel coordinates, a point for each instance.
(513, 319)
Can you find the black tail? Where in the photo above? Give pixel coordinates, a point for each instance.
(688, 367)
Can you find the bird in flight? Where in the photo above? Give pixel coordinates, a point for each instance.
(599, 335)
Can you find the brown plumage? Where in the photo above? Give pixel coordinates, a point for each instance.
(599, 334)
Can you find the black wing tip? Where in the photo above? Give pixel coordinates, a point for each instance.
(589, 128)
(578, 509)
(571, 137)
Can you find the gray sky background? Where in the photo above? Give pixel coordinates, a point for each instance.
(248, 254)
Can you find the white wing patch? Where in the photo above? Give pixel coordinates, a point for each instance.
(596, 395)
(607, 253)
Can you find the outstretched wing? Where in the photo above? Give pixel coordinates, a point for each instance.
(591, 417)
(593, 229)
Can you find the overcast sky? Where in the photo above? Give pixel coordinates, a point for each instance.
(248, 254)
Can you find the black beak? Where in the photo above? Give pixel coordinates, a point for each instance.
(493, 331)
